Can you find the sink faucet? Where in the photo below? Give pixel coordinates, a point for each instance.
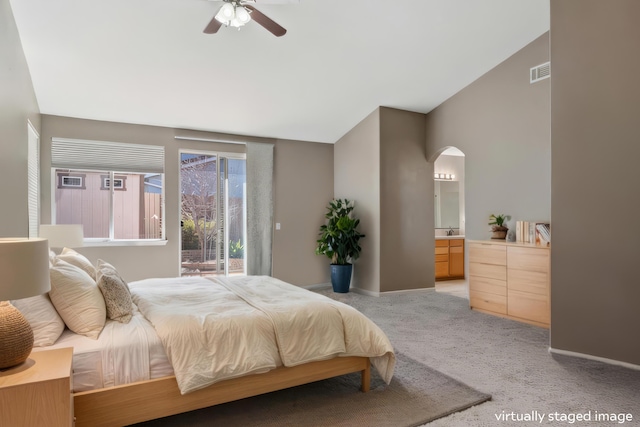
(450, 232)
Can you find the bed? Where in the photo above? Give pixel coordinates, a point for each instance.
(186, 346)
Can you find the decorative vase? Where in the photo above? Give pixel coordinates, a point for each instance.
(341, 277)
(498, 232)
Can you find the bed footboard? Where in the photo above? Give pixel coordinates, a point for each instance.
(147, 400)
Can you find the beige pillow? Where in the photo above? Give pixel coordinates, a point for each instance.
(115, 291)
(42, 316)
(79, 260)
(77, 299)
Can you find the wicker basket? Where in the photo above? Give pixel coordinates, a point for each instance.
(16, 336)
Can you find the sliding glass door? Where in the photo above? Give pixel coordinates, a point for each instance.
(213, 213)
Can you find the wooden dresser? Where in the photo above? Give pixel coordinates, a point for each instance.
(510, 280)
(449, 261)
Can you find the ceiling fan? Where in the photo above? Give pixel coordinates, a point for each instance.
(236, 13)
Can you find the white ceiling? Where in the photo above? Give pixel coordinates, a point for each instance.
(148, 62)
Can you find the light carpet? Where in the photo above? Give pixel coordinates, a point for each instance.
(417, 395)
(508, 359)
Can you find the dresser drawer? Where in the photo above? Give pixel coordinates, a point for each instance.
(490, 271)
(490, 286)
(529, 306)
(528, 281)
(489, 302)
(486, 253)
(530, 259)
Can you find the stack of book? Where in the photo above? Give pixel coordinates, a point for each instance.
(538, 233)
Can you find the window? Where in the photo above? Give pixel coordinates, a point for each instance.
(132, 209)
(67, 180)
(33, 179)
(118, 182)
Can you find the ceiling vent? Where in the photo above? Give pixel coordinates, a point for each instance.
(540, 72)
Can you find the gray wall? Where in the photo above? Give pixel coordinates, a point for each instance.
(307, 165)
(17, 105)
(501, 123)
(357, 177)
(406, 203)
(303, 186)
(595, 129)
(381, 164)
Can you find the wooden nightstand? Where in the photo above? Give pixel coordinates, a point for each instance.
(38, 393)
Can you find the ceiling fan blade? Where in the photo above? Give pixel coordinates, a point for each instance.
(213, 26)
(268, 23)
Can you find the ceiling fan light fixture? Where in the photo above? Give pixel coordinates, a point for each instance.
(242, 15)
(226, 13)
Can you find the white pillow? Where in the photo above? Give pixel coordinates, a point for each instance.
(115, 291)
(77, 298)
(79, 260)
(52, 257)
(42, 316)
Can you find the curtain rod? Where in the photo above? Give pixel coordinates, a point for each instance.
(228, 141)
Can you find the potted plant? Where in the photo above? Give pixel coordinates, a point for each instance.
(339, 241)
(499, 230)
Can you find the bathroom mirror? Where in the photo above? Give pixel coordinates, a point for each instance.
(446, 204)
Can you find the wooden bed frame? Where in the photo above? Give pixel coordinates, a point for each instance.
(147, 400)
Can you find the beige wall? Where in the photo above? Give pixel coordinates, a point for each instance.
(163, 261)
(406, 203)
(381, 164)
(303, 185)
(17, 105)
(595, 129)
(357, 177)
(501, 123)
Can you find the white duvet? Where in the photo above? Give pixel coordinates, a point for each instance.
(221, 328)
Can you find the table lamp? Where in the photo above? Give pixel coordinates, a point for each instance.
(24, 272)
(62, 235)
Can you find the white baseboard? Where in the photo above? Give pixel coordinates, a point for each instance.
(317, 286)
(404, 291)
(369, 293)
(365, 292)
(596, 358)
(409, 291)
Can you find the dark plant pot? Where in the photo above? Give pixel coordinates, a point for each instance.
(499, 232)
(341, 277)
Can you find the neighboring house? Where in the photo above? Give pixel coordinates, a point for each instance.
(78, 194)
(588, 173)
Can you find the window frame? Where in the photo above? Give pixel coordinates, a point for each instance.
(62, 175)
(105, 181)
(111, 158)
(111, 240)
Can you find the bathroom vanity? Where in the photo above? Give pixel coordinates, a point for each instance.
(449, 261)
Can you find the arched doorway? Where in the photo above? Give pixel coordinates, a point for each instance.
(449, 222)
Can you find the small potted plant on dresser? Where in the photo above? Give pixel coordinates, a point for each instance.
(339, 241)
(498, 229)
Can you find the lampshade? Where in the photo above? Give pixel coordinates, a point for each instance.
(24, 268)
(24, 272)
(62, 235)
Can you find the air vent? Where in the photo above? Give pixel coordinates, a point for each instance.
(540, 72)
